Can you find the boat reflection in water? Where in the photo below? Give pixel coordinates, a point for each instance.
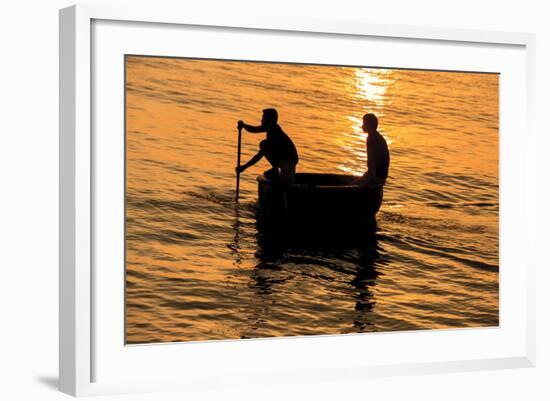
(342, 254)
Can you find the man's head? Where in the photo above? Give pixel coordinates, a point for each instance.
(269, 117)
(370, 123)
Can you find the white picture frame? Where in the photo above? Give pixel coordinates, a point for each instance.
(84, 349)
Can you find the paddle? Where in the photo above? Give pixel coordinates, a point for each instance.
(238, 164)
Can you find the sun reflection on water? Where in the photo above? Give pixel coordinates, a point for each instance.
(369, 87)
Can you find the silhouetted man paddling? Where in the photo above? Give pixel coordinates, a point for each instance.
(278, 149)
(378, 155)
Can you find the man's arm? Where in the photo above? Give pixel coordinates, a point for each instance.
(255, 159)
(370, 174)
(371, 160)
(251, 128)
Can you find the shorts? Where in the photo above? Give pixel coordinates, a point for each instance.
(287, 172)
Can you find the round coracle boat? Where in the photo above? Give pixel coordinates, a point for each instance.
(319, 199)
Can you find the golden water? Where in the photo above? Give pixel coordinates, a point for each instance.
(198, 269)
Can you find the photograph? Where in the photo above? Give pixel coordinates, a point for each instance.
(276, 199)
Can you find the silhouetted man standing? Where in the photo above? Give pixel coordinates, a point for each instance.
(378, 155)
(278, 149)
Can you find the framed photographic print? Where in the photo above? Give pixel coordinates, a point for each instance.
(285, 200)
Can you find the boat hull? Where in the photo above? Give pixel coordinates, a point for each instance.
(319, 200)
